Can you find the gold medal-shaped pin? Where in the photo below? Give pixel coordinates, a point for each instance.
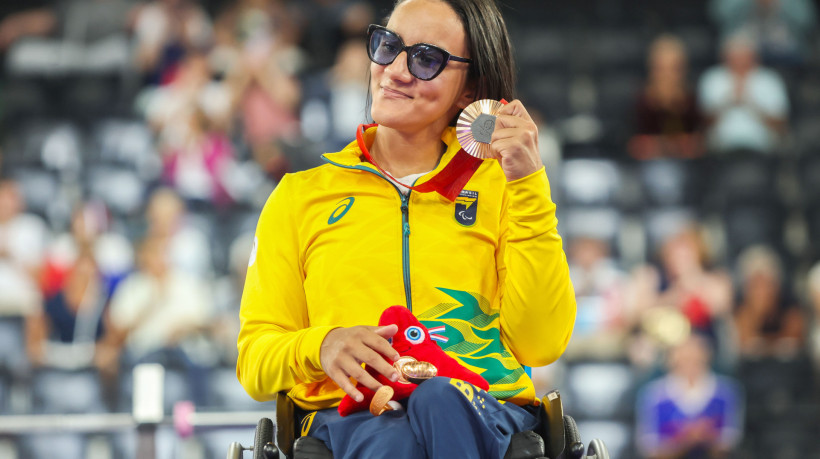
(475, 127)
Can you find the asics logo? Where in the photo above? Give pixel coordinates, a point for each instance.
(341, 209)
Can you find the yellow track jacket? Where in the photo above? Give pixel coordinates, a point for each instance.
(337, 244)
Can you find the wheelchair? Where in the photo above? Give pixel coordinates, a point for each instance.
(556, 437)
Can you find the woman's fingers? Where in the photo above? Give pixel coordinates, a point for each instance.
(383, 346)
(363, 377)
(515, 141)
(516, 109)
(345, 349)
(342, 380)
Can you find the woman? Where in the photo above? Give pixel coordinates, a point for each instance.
(767, 321)
(668, 121)
(338, 244)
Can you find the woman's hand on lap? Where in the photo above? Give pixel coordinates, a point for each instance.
(345, 349)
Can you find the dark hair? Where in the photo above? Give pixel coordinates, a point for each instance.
(493, 67)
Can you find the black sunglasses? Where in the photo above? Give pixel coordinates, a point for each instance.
(424, 61)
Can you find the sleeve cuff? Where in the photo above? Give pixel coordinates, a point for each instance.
(311, 350)
(531, 199)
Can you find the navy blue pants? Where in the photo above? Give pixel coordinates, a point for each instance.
(444, 418)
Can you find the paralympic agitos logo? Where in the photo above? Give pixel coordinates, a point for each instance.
(466, 207)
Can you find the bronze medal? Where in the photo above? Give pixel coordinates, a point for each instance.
(476, 125)
(414, 371)
(379, 404)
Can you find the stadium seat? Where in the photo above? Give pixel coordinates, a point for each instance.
(619, 49)
(225, 392)
(40, 188)
(662, 222)
(51, 388)
(13, 359)
(749, 224)
(548, 93)
(743, 177)
(668, 182)
(600, 223)
(600, 391)
(543, 48)
(127, 142)
(120, 188)
(807, 100)
(48, 444)
(589, 182)
(701, 47)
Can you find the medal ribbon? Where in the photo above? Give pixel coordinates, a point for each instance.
(448, 182)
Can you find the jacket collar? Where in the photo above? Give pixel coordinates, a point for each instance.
(453, 171)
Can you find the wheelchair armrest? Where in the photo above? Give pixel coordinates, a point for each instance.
(552, 426)
(285, 423)
(574, 448)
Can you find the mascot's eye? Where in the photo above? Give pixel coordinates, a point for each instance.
(390, 340)
(414, 334)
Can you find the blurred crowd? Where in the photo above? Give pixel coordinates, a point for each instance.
(139, 140)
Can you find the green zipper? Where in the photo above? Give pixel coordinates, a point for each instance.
(405, 227)
(405, 246)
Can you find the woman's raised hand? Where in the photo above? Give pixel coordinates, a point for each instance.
(515, 141)
(345, 349)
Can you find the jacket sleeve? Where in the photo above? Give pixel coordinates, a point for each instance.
(537, 298)
(277, 346)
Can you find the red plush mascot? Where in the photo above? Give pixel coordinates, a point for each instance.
(412, 340)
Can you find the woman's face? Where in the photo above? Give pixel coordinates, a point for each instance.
(669, 63)
(406, 103)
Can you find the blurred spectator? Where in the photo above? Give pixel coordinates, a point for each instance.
(746, 105)
(155, 314)
(192, 115)
(169, 108)
(691, 412)
(90, 21)
(768, 322)
(246, 26)
(334, 102)
(187, 247)
(668, 119)
(685, 283)
(22, 245)
(19, 20)
(164, 32)
(781, 28)
(228, 295)
(82, 269)
(328, 24)
(86, 36)
(602, 323)
(266, 93)
(195, 166)
(814, 300)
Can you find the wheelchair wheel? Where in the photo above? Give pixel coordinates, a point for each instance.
(263, 436)
(597, 450)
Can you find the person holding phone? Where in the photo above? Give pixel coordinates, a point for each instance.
(399, 217)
